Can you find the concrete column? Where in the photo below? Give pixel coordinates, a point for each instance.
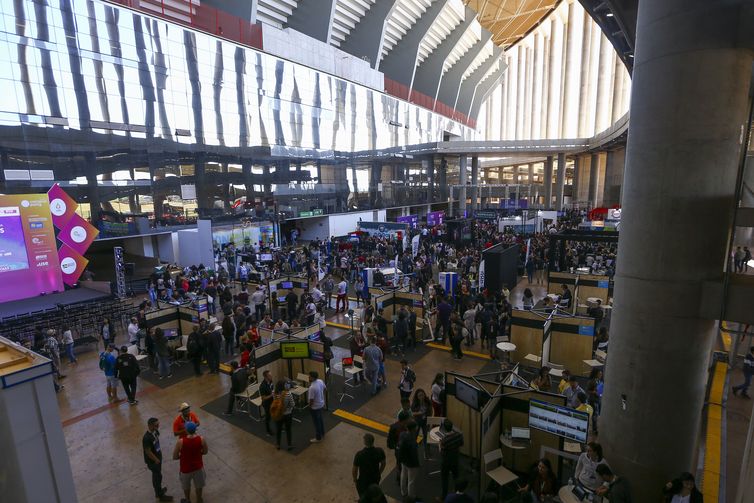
(442, 179)
(584, 78)
(532, 200)
(247, 181)
(475, 182)
(375, 175)
(92, 194)
(594, 173)
(560, 181)
(683, 153)
(203, 197)
(428, 165)
(553, 100)
(462, 180)
(539, 52)
(604, 85)
(548, 183)
(158, 198)
(575, 184)
(572, 72)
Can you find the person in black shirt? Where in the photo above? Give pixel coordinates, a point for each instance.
(408, 457)
(127, 369)
(393, 436)
(153, 457)
(239, 379)
(368, 465)
(265, 392)
(450, 447)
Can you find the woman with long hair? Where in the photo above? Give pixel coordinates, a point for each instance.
(542, 486)
(286, 421)
(421, 407)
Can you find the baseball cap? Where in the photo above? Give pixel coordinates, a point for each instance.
(190, 427)
(184, 406)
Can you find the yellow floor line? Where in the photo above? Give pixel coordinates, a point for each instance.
(726, 338)
(338, 325)
(374, 425)
(713, 444)
(467, 353)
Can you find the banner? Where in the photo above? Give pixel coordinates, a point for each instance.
(412, 220)
(528, 251)
(481, 275)
(415, 246)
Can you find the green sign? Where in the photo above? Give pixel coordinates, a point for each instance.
(312, 213)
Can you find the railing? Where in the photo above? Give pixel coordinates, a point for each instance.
(200, 17)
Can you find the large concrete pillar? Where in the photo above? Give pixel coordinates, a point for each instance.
(474, 182)
(548, 183)
(683, 158)
(575, 183)
(594, 174)
(462, 180)
(560, 182)
(92, 194)
(428, 165)
(375, 176)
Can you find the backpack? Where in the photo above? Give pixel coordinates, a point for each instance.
(192, 346)
(103, 360)
(277, 408)
(393, 435)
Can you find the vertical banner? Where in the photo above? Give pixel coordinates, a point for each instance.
(481, 275)
(415, 245)
(72, 264)
(528, 251)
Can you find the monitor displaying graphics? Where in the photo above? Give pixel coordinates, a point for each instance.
(288, 285)
(558, 420)
(28, 249)
(293, 350)
(468, 394)
(265, 257)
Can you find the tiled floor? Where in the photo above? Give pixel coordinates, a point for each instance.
(105, 448)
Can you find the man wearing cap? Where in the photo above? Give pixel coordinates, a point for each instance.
(179, 425)
(189, 450)
(153, 457)
(107, 364)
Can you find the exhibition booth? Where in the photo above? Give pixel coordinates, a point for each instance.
(177, 320)
(391, 302)
(507, 426)
(288, 357)
(552, 337)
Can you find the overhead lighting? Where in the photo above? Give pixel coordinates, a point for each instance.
(609, 14)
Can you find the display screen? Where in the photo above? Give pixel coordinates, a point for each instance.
(28, 250)
(558, 420)
(292, 350)
(468, 394)
(288, 285)
(265, 257)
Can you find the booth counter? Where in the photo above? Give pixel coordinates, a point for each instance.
(391, 302)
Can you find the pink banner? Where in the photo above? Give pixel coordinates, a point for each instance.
(78, 234)
(72, 264)
(62, 206)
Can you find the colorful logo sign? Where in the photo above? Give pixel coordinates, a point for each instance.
(78, 234)
(62, 206)
(72, 264)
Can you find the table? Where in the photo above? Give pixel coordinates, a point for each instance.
(506, 347)
(434, 435)
(566, 496)
(508, 442)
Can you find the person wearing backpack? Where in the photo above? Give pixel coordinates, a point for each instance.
(107, 365)
(393, 435)
(127, 370)
(281, 411)
(239, 379)
(194, 350)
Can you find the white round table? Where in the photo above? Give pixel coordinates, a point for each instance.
(506, 347)
(433, 436)
(566, 496)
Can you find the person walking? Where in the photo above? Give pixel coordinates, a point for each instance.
(194, 350)
(342, 296)
(163, 353)
(372, 360)
(281, 411)
(127, 370)
(394, 435)
(368, 465)
(748, 370)
(239, 379)
(438, 395)
(53, 349)
(316, 397)
(107, 365)
(189, 450)
(213, 350)
(150, 443)
(408, 457)
(185, 416)
(107, 333)
(68, 345)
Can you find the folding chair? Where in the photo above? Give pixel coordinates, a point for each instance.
(302, 388)
(248, 397)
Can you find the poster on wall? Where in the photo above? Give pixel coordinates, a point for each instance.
(412, 220)
(435, 218)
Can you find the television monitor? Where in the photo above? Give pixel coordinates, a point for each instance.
(468, 394)
(291, 350)
(288, 285)
(265, 257)
(568, 423)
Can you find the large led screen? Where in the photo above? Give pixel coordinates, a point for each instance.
(29, 263)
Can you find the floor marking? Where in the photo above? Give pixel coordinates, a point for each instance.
(483, 356)
(363, 421)
(713, 441)
(86, 415)
(338, 325)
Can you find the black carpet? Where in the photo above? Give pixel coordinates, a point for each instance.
(411, 354)
(180, 373)
(303, 431)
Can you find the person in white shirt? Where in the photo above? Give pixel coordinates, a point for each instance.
(316, 294)
(133, 332)
(342, 296)
(68, 345)
(316, 397)
(587, 464)
(257, 300)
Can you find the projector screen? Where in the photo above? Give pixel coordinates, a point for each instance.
(28, 250)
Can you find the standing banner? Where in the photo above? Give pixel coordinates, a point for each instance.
(415, 245)
(320, 272)
(481, 275)
(528, 251)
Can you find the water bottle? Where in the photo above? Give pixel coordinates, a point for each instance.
(570, 482)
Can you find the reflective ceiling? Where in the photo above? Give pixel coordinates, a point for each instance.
(510, 20)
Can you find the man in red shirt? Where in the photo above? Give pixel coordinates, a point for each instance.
(189, 450)
(179, 424)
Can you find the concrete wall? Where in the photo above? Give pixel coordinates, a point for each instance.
(348, 222)
(166, 247)
(314, 228)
